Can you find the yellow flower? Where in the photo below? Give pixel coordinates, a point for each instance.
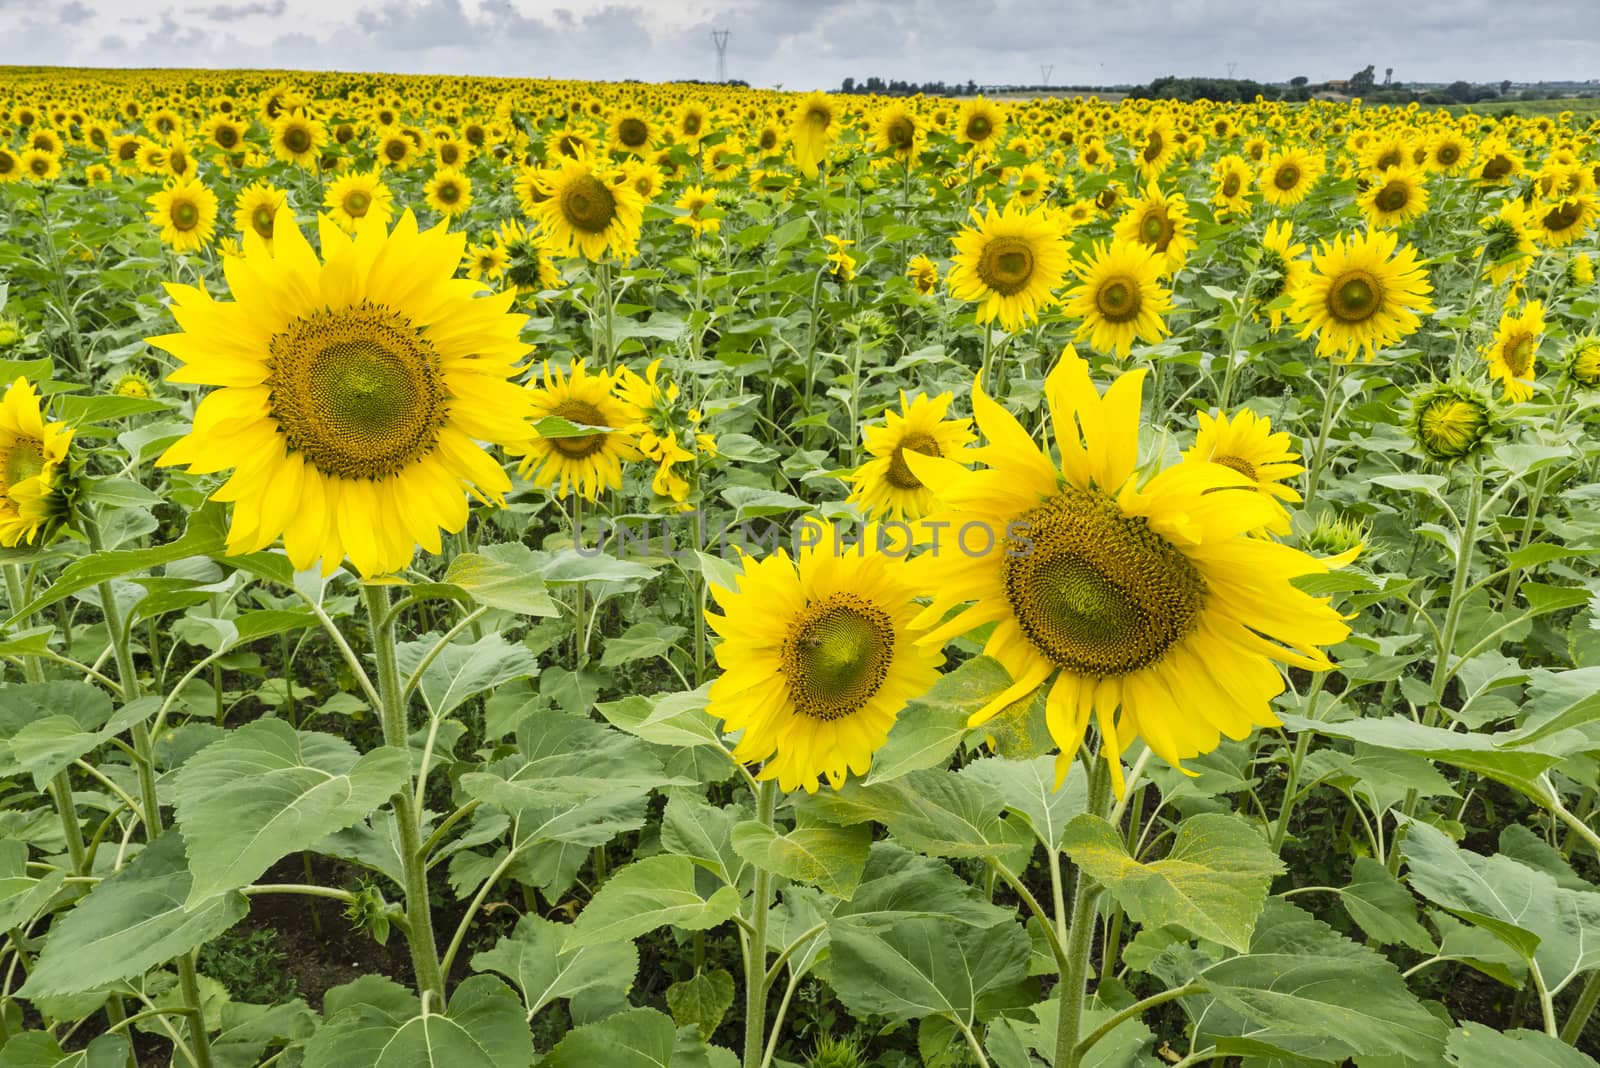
(589, 210)
(355, 196)
(257, 209)
(695, 201)
(816, 127)
(1282, 269)
(564, 454)
(1508, 247)
(841, 264)
(1396, 196)
(1231, 175)
(1011, 261)
(186, 212)
(885, 486)
(1119, 297)
(297, 139)
(1515, 348)
(33, 453)
(1287, 177)
(924, 274)
(353, 392)
(1361, 295)
(980, 123)
(449, 192)
(1246, 444)
(1160, 221)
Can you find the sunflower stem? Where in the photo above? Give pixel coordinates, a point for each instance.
(419, 917)
(1578, 1018)
(1080, 936)
(755, 958)
(144, 750)
(1320, 459)
(1243, 310)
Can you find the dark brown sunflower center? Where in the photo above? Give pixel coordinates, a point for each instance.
(1156, 229)
(769, 140)
(448, 192)
(1564, 215)
(1519, 351)
(1394, 196)
(185, 215)
(1118, 299)
(691, 124)
(1006, 265)
(579, 446)
(1239, 464)
(900, 475)
(1354, 297)
(1096, 591)
(261, 220)
(836, 655)
(1287, 177)
(632, 132)
(1448, 154)
(588, 205)
(297, 140)
(396, 149)
(1230, 185)
(1497, 168)
(127, 150)
(449, 154)
(358, 392)
(979, 127)
(901, 133)
(227, 136)
(41, 165)
(356, 203)
(1153, 147)
(1389, 159)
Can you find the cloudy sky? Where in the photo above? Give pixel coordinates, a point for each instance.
(802, 44)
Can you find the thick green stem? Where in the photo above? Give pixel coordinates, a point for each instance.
(419, 916)
(1578, 1018)
(1319, 459)
(755, 958)
(1080, 938)
(1466, 540)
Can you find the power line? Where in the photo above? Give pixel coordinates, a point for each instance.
(1044, 74)
(720, 39)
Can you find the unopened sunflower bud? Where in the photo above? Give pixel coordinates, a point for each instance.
(1450, 422)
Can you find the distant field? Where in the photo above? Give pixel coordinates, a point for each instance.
(1588, 106)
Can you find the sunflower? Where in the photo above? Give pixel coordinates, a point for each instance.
(132, 384)
(224, 133)
(815, 128)
(1361, 294)
(1157, 147)
(33, 456)
(355, 195)
(691, 122)
(632, 132)
(818, 658)
(1508, 246)
(1390, 150)
(1583, 365)
(896, 132)
(257, 209)
(590, 211)
(1281, 271)
(1287, 177)
(1448, 152)
(980, 123)
(1247, 444)
(186, 212)
(884, 486)
(924, 274)
(123, 152)
(297, 138)
(694, 202)
(1515, 348)
(565, 454)
(449, 152)
(1565, 221)
(1161, 222)
(1011, 261)
(1119, 297)
(840, 263)
(10, 166)
(1450, 421)
(39, 166)
(354, 392)
(1232, 177)
(449, 192)
(1395, 197)
(529, 268)
(484, 262)
(395, 149)
(1497, 164)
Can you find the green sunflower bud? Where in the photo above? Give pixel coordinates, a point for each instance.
(837, 1053)
(1583, 367)
(1450, 422)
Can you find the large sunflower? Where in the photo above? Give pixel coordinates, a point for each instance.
(1564, 221)
(354, 392)
(357, 195)
(1361, 294)
(590, 210)
(1287, 176)
(1119, 297)
(1160, 221)
(449, 192)
(297, 139)
(896, 132)
(1516, 346)
(1396, 196)
(980, 123)
(32, 454)
(884, 485)
(587, 462)
(1246, 444)
(186, 212)
(1145, 605)
(818, 657)
(1010, 261)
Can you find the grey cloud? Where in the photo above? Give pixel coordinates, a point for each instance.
(74, 12)
(229, 12)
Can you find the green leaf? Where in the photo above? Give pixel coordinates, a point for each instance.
(1213, 883)
(642, 641)
(701, 1002)
(677, 719)
(247, 1030)
(1383, 907)
(1474, 1045)
(1304, 991)
(135, 920)
(637, 1038)
(831, 858)
(919, 967)
(206, 535)
(385, 1027)
(930, 728)
(1028, 788)
(267, 790)
(647, 894)
(460, 672)
(45, 726)
(935, 811)
(1556, 928)
(898, 883)
(691, 828)
(504, 577)
(21, 896)
(38, 1049)
(532, 958)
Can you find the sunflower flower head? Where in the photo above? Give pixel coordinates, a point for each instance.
(1010, 261)
(582, 430)
(1515, 348)
(33, 466)
(885, 485)
(1450, 422)
(1362, 294)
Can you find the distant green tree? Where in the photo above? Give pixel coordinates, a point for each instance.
(1362, 81)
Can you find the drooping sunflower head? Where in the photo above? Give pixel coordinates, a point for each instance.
(1362, 294)
(819, 656)
(885, 486)
(1120, 297)
(1508, 246)
(354, 391)
(1497, 164)
(1583, 365)
(815, 128)
(583, 433)
(528, 266)
(1450, 422)
(1011, 261)
(1282, 269)
(33, 458)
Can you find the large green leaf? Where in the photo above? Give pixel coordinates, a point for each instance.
(898, 883)
(930, 728)
(503, 576)
(647, 894)
(267, 790)
(691, 828)
(1557, 928)
(1473, 1045)
(1305, 991)
(701, 1001)
(38, 1049)
(831, 858)
(461, 672)
(45, 726)
(133, 921)
(22, 897)
(1383, 907)
(918, 967)
(936, 812)
(1028, 788)
(677, 719)
(381, 1025)
(636, 1038)
(1212, 883)
(532, 957)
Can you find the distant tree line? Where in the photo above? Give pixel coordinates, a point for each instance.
(895, 87)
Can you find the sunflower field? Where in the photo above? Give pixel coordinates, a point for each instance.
(507, 573)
